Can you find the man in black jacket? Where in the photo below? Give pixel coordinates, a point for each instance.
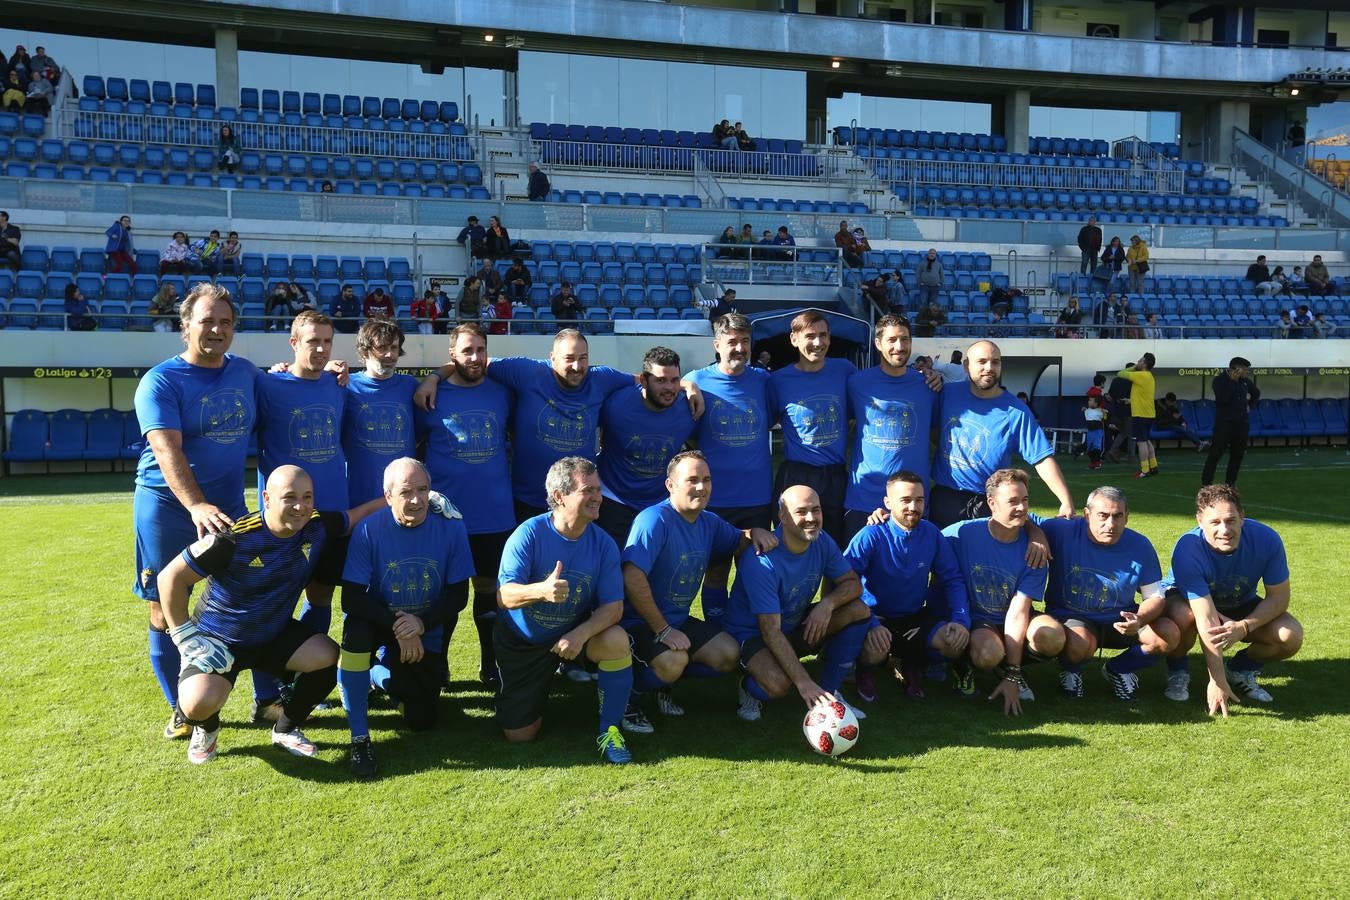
(539, 186)
(1089, 244)
(1234, 396)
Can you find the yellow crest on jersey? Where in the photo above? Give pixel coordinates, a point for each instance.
(304, 548)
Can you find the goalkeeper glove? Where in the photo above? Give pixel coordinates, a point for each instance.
(206, 653)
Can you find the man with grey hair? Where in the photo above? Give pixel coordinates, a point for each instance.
(561, 590)
(405, 579)
(539, 186)
(1097, 567)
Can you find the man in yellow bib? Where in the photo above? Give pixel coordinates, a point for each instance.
(1142, 413)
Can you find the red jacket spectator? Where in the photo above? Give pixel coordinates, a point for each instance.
(425, 314)
(378, 303)
(501, 312)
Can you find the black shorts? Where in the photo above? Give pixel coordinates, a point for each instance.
(1141, 428)
(328, 570)
(526, 511)
(486, 550)
(796, 637)
(270, 657)
(947, 506)
(1241, 611)
(744, 517)
(1106, 636)
(417, 686)
(1028, 655)
(616, 520)
(647, 648)
(525, 670)
(911, 636)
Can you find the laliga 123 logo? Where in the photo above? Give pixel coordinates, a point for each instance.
(225, 416)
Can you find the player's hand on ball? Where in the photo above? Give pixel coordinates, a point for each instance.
(1217, 698)
(1012, 701)
(555, 587)
(676, 639)
(814, 694)
(1128, 624)
(410, 650)
(567, 647)
(209, 519)
(201, 651)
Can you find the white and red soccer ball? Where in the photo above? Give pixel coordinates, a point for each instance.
(831, 728)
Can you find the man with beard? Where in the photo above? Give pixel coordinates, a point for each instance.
(467, 459)
(981, 424)
(377, 426)
(641, 428)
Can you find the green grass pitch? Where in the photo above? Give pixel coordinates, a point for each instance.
(942, 797)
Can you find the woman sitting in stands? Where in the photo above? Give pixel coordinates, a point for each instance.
(1071, 315)
(175, 257)
(78, 310)
(14, 96)
(227, 152)
(164, 308)
(726, 242)
(497, 243)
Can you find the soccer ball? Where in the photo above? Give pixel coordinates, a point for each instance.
(831, 729)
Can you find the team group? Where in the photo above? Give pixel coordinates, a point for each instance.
(867, 549)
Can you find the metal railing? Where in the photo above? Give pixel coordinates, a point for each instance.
(1313, 191)
(1013, 176)
(663, 160)
(724, 264)
(126, 128)
(709, 189)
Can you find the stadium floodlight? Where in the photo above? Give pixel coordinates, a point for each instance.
(489, 37)
(1293, 92)
(834, 64)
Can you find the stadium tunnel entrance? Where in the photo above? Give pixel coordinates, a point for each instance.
(850, 338)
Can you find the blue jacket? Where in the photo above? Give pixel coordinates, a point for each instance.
(119, 238)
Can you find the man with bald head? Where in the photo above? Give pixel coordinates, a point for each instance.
(981, 424)
(770, 613)
(255, 572)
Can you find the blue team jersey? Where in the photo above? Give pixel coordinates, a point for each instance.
(673, 553)
(636, 444)
(897, 567)
(405, 568)
(214, 410)
(1092, 582)
(780, 583)
(893, 416)
(254, 578)
(733, 434)
(467, 453)
(590, 567)
(1229, 579)
(551, 421)
(813, 410)
(377, 428)
(979, 435)
(995, 572)
(300, 424)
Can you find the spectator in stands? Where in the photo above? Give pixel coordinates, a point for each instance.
(1136, 261)
(784, 239)
(746, 240)
(446, 310)
(346, 311)
(78, 310)
(1114, 255)
(1171, 419)
(930, 277)
(566, 305)
(502, 312)
(1132, 330)
(326, 187)
(722, 306)
(1302, 322)
(378, 303)
(278, 304)
(20, 61)
(538, 186)
(931, 318)
(1285, 326)
(1152, 331)
(724, 135)
(896, 294)
(1071, 316)
(164, 307)
(496, 242)
(764, 360)
(743, 140)
(425, 313)
(15, 95)
(1323, 327)
(1258, 273)
(227, 153)
(518, 282)
(766, 242)
(1317, 277)
(1089, 245)
(10, 237)
(471, 237)
(204, 254)
(876, 292)
(39, 97)
(469, 307)
(174, 257)
(860, 243)
(232, 255)
(1296, 284)
(120, 249)
(1278, 277)
(300, 300)
(843, 239)
(45, 64)
(490, 280)
(726, 244)
(1106, 315)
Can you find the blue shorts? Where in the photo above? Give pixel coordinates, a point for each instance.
(1094, 439)
(163, 530)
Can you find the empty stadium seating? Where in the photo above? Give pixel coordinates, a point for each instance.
(667, 150)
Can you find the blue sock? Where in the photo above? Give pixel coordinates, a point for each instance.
(645, 680)
(318, 618)
(840, 651)
(265, 687)
(355, 685)
(753, 688)
(379, 677)
(701, 670)
(1066, 666)
(1178, 664)
(1242, 662)
(164, 662)
(614, 685)
(714, 604)
(1132, 660)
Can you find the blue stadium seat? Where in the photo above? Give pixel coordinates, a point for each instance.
(69, 432)
(104, 439)
(28, 434)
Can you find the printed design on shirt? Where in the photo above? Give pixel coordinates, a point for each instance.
(410, 584)
(313, 432)
(1232, 591)
(475, 436)
(992, 589)
(820, 420)
(734, 425)
(225, 416)
(1093, 590)
(560, 615)
(648, 454)
(383, 427)
(969, 444)
(564, 426)
(797, 599)
(686, 578)
(889, 424)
